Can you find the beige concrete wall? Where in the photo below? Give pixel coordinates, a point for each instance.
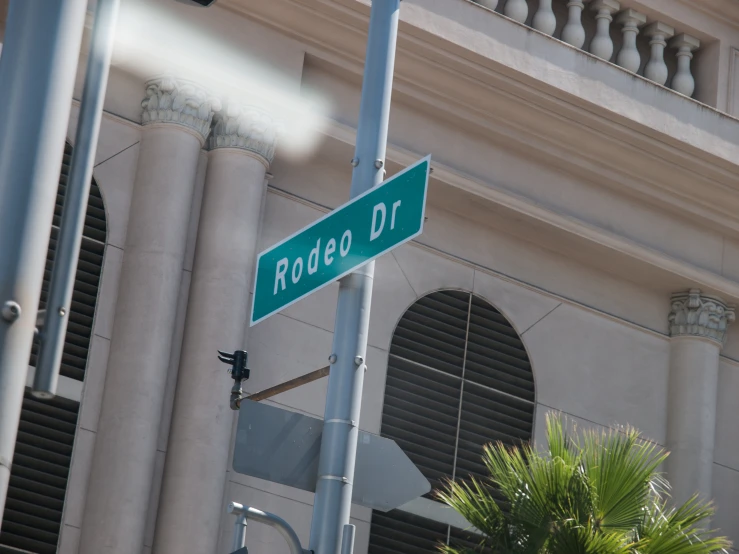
(582, 357)
(114, 172)
(596, 332)
(726, 453)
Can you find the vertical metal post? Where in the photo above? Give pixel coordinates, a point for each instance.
(347, 539)
(63, 273)
(37, 73)
(346, 378)
(239, 540)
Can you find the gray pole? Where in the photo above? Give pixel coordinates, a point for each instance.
(341, 419)
(63, 273)
(37, 73)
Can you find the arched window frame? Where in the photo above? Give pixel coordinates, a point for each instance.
(38, 483)
(451, 346)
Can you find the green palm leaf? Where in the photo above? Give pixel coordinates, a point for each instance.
(596, 493)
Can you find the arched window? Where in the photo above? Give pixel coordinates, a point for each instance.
(43, 450)
(458, 378)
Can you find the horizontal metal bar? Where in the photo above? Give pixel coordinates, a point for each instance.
(289, 385)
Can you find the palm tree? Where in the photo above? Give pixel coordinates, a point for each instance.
(595, 493)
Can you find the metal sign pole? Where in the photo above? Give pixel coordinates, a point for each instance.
(341, 420)
(54, 329)
(37, 73)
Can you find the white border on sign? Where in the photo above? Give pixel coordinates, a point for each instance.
(352, 201)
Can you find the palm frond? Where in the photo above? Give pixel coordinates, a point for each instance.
(597, 493)
(679, 530)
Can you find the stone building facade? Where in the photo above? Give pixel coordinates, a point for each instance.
(581, 255)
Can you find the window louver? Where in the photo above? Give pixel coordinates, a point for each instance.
(458, 378)
(38, 481)
(87, 280)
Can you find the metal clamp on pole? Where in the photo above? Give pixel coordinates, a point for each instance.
(244, 512)
(239, 372)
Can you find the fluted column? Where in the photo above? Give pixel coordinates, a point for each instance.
(573, 32)
(683, 81)
(191, 504)
(698, 325)
(544, 19)
(628, 57)
(517, 9)
(176, 120)
(656, 69)
(602, 45)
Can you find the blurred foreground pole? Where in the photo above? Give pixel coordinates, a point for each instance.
(63, 273)
(37, 73)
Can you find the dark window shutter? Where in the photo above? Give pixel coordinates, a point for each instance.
(458, 378)
(38, 480)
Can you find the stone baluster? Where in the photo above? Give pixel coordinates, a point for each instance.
(683, 81)
(602, 45)
(656, 69)
(698, 325)
(573, 32)
(628, 57)
(517, 10)
(491, 4)
(544, 19)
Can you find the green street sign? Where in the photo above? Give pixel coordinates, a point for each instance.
(341, 241)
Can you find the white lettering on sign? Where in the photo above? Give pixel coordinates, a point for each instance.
(346, 237)
(328, 259)
(280, 274)
(313, 258)
(379, 218)
(375, 229)
(396, 205)
(297, 270)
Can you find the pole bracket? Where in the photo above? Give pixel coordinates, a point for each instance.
(344, 480)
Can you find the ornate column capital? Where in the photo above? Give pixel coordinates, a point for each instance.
(171, 100)
(246, 127)
(698, 315)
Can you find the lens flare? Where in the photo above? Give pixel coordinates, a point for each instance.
(207, 46)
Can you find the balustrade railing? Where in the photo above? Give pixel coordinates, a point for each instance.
(648, 48)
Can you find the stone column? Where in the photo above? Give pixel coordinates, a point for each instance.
(191, 504)
(176, 120)
(698, 326)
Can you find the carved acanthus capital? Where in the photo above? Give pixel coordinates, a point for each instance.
(246, 127)
(170, 100)
(699, 315)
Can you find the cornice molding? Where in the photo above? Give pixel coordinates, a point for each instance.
(725, 10)
(529, 208)
(667, 172)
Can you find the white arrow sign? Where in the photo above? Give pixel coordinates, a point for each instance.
(283, 447)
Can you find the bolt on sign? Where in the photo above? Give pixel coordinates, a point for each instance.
(343, 240)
